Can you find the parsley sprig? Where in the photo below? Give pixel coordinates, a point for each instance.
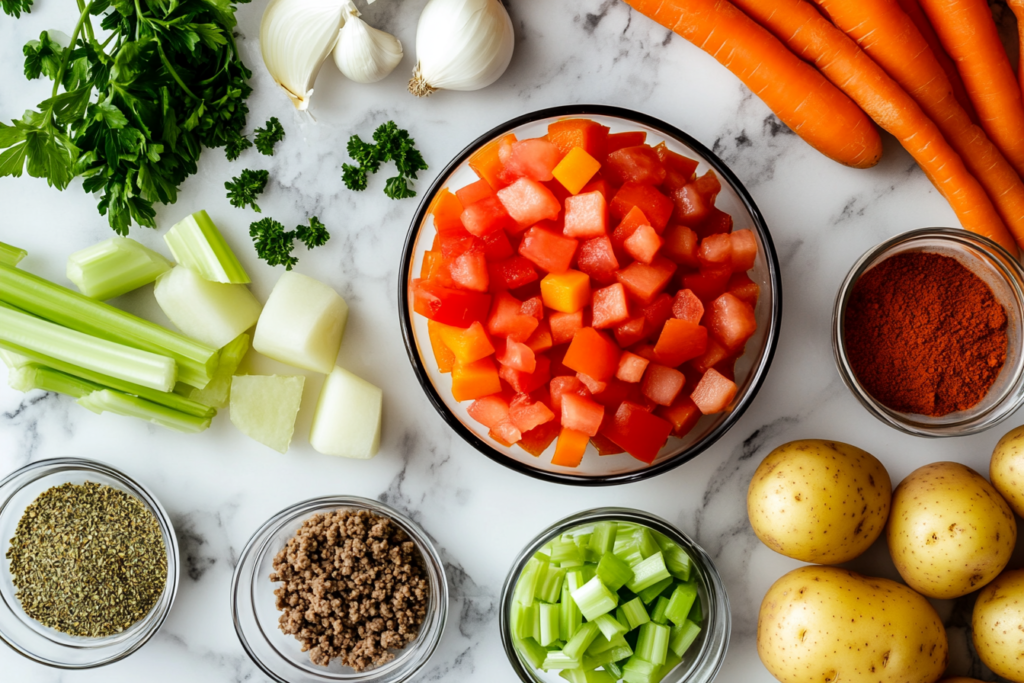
(268, 136)
(274, 244)
(245, 188)
(15, 7)
(390, 143)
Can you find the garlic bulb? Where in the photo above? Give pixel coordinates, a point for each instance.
(295, 38)
(461, 45)
(363, 53)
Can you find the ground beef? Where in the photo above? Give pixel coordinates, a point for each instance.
(354, 588)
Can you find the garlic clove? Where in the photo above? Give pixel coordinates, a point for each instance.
(296, 36)
(461, 45)
(363, 53)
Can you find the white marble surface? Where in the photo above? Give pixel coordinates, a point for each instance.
(219, 487)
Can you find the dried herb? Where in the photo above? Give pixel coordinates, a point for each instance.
(88, 560)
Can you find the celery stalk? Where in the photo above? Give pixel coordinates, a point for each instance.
(570, 618)
(651, 593)
(86, 351)
(652, 644)
(114, 267)
(610, 626)
(525, 621)
(696, 614)
(217, 393)
(602, 645)
(532, 574)
(556, 659)
(683, 636)
(671, 661)
(579, 643)
(614, 572)
(599, 676)
(112, 401)
(531, 650)
(32, 376)
(11, 256)
(648, 546)
(196, 243)
(549, 587)
(648, 572)
(678, 562)
(635, 613)
(608, 656)
(603, 539)
(660, 608)
(573, 675)
(638, 670)
(566, 552)
(548, 626)
(681, 602)
(12, 360)
(594, 599)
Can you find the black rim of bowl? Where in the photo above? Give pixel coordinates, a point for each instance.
(566, 478)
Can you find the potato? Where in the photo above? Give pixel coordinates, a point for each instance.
(950, 532)
(1006, 470)
(960, 679)
(826, 624)
(997, 626)
(819, 501)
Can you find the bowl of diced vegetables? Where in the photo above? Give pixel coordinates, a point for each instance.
(614, 594)
(589, 295)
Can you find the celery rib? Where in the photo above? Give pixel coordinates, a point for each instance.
(11, 256)
(108, 400)
(196, 243)
(114, 267)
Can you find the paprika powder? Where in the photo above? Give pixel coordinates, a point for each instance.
(924, 334)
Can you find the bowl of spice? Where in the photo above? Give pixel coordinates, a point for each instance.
(339, 589)
(927, 332)
(90, 565)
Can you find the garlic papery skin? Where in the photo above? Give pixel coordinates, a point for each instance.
(363, 53)
(296, 36)
(461, 45)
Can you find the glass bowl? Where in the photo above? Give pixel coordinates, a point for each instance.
(48, 646)
(595, 470)
(705, 657)
(1002, 273)
(255, 615)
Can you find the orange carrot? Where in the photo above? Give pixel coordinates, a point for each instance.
(969, 34)
(892, 40)
(1017, 7)
(798, 94)
(802, 28)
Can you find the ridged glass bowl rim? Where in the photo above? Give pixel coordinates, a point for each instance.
(166, 600)
(760, 370)
(257, 546)
(1012, 273)
(716, 644)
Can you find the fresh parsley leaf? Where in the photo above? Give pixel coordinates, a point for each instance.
(236, 146)
(391, 143)
(268, 136)
(245, 188)
(364, 153)
(14, 8)
(313, 235)
(42, 57)
(354, 177)
(397, 188)
(273, 243)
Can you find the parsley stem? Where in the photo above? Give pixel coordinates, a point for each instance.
(67, 53)
(174, 74)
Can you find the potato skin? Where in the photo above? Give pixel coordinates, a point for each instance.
(950, 532)
(997, 626)
(819, 501)
(824, 624)
(1006, 469)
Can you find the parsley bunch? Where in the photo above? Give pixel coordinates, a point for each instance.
(274, 244)
(391, 143)
(131, 114)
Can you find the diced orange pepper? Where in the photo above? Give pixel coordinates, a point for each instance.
(683, 414)
(486, 163)
(570, 448)
(541, 339)
(469, 344)
(568, 133)
(447, 211)
(566, 292)
(576, 169)
(475, 380)
(593, 354)
(537, 440)
(443, 356)
(432, 261)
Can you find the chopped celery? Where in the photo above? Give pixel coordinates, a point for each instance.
(645, 539)
(92, 353)
(652, 644)
(528, 621)
(608, 656)
(671, 661)
(599, 676)
(112, 401)
(579, 643)
(649, 572)
(549, 586)
(637, 670)
(613, 572)
(217, 393)
(196, 362)
(602, 645)
(566, 552)
(676, 559)
(660, 608)
(594, 599)
(573, 675)
(683, 637)
(627, 549)
(527, 585)
(114, 267)
(620, 616)
(603, 539)
(635, 613)
(696, 613)
(557, 659)
(681, 602)
(531, 651)
(614, 669)
(196, 243)
(569, 617)
(588, 553)
(11, 255)
(649, 595)
(547, 616)
(610, 626)
(574, 578)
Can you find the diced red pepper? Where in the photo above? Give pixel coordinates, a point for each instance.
(681, 244)
(489, 410)
(537, 440)
(486, 216)
(564, 326)
(675, 161)
(497, 247)
(581, 414)
(683, 414)
(643, 281)
(486, 162)
(526, 382)
(662, 384)
(449, 306)
(655, 206)
(715, 354)
(505, 319)
(584, 133)
(447, 210)
(717, 222)
(592, 353)
(533, 158)
(570, 448)
(639, 432)
(474, 192)
(631, 367)
(457, 241)
(708, 283)
(643, 244)
(680, 341)
(598, 185)
(469, 271)
(605, 446)
(687, 306)
(631, 331)
(630, 138)
(609, 306)
(655, 314)
(638, 164)
(527, 414)
(743, 288)
(597, 259)
(511, 273)
(714, 392)
(528, 202)
(731, 321)
(586, 215)
(709, 186)
(518, 356)
(744, 250)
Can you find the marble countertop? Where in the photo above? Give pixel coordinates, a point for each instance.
(220, 487)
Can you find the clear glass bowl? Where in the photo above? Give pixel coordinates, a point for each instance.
(256, 617)
(1002, 273)
(704, 658)
(596, 470)
(45, 645)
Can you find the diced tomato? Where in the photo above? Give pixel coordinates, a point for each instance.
(564, 326)
(683, 414)
(714, 392)
(486, 216)
(527, 414)
(594, 386)
(731, 321)
(662, 384)
(447, 211)
(457, 241)
(497, 247)
(690, 206)
(643, 244)
(505, 433)
(631, 331)
(629, 224)
(474, 192)
(715, 354)
(709, 186)
(680, 341)
(598, 185)
(566, 292)
(643, 281)
(631, 138)
(475, 380)
(560, 386)
(708, 283)
(533, 158)
(717, 222)
(505, 319)
(581, 414)
(591, 136)
(570, 448)
(743, 288)
(443, 356)
(469, 344)
(655, 314)
(597, 259)
(631, 367)
(586, 215)
(655, 206)
(687, 306)
(489, 410)
(449, 306)
(533, 306)
(609, 306)
(576, 169)
(592, 353)
(527, 201)
(486, 162)
(715, 252)
(681, 244)
(469, 271)
(511, 273)
(639, 432)
(525, 382)
(605, 446)
(518, 356)
(674, 161)
(541, 339)
(549, 251)
(744, 250)
(537, 440)
(638, 164)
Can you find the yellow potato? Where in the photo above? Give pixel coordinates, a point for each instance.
(997, 626)
(1006, 470)
(827, 625)
(950, 532)
(960, 679)
(819, 501)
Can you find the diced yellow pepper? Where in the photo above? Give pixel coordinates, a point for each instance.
(475, 380)
(566, 292)
(576, 169)
(443, 356)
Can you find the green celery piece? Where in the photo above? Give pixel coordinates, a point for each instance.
(649, 595)
(569, 617)
(549, 589)
(526, 621)
(594, 599)
(557, 659)
(636, 670)
(598, 676)
(607, 657)
(677, 560)
(217, 393)
(531, 575)
(574, 578)
(114, 267)
(530, 650)
(589, 571)
(660, 608)
(566, 552)
(12, 360)
(649, 572)
(33, 376)
(547, 616)
(196, 243)
(613, 572)
(573, 675)
(11, 255)
(645, 539)
(603, 539)
(627, 549)
(652, 644)
(610, 626)
(602, 645)
(112, 401)
(696, 613)
(683, 637)
(614, 669)
(86, 351)
(588, 553)
(582, 639)
(681, 602)
(671, 661)
(635, 613)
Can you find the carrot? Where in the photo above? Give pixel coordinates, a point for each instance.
(892, 40)
(1017, 7)
(969, 34)
(798, 94)
(802, 28)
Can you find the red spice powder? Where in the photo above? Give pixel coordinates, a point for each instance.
(924, 334)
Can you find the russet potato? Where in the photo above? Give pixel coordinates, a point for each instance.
(950, 532)
(997, 626)
(830, 625)
(1006, 470)
(819, 501)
